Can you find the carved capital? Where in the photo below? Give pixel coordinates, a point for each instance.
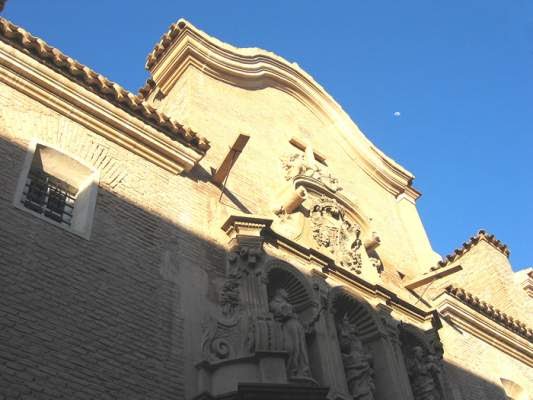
(246, 231)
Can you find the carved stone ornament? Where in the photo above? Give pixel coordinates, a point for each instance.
(356, 360)
(293, 336)
(333, 232)
(234, 331)
(424, 370)
(304, 164)
(376, 263)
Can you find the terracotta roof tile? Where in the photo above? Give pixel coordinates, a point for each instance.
(491, 312)
(161, 47)
(481, 235)
(99, 84)
(147, 88)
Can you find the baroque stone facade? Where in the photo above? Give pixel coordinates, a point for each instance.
(129, 272)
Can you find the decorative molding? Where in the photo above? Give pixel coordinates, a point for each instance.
(491, 312)
(111, 92)
(467, 246)
(240, 226)
(61, 95)
(484, 328)
(526, 282)
(185, 46)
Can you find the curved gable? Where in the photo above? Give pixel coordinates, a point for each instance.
(184, 46)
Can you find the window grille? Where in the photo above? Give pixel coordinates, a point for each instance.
(49, 196)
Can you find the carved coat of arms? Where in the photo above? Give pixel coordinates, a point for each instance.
(333, 232)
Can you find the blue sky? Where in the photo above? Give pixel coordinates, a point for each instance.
(460, 72)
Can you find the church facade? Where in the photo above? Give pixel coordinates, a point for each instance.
(229, 232)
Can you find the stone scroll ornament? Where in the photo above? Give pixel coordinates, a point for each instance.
(334, 232)
(424, 370)
(356, 360)
(223, 334)
(304, 164)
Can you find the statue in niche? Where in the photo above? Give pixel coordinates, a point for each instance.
(356, 360)
(332, 231)
(293, 336)
(423, 372)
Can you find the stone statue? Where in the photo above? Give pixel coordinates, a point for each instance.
(299, 164)
(356, 360)
(293, 336)
(423, 372)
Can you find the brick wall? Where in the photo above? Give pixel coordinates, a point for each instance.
(474, 367)
(98, 318)
(487, 274)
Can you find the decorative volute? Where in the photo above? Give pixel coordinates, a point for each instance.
(256, 334)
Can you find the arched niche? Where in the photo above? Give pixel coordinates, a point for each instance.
(349, 308)
(343, 302)
(388, 381)
(281, 275)
(423, 352)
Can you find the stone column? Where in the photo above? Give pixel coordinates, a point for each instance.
(390, 368)
(332, 368)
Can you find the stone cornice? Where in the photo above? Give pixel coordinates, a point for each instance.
(465, 248)
(527, 284)
(184, 46)
(477, 324)
(242, 224)
(491, 312)
(21, 70)
(110, 91)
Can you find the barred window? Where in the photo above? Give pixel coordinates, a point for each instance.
(49, 196)
(58, 188)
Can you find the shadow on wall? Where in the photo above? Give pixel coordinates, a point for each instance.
(120, 316)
